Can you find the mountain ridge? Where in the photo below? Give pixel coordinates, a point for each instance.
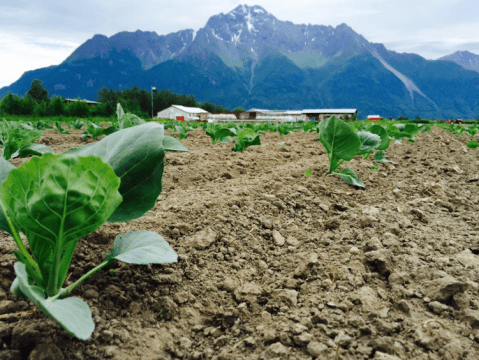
(247, 57)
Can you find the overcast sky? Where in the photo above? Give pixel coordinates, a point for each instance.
(39, 33)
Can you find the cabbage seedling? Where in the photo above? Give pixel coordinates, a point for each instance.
(220, 135)
(342, 144)
(245, 139)
(14, 136)
(54, 200)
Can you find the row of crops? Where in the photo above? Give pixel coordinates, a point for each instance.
(342, 140)
(56, 199)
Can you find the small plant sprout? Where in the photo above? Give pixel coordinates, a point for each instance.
(245, 139)
(342, 144)
(472, 144)
(308, 173)
(374, 167)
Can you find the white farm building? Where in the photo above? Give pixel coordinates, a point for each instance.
(179, 112)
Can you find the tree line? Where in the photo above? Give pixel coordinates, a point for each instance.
(37, 102)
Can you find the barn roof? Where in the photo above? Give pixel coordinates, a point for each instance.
(190, 109)
(329, 111)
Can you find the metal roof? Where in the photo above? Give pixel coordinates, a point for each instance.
(306, 111)
(84, 100)
(329, 111)
(190, 109)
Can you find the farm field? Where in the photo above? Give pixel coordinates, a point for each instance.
(276, 264)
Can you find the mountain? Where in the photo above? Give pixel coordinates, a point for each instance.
(466, 59)
(249, 58)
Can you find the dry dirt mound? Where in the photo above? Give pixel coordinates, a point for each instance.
(277, 265)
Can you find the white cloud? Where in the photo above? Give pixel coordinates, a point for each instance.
(28, 53)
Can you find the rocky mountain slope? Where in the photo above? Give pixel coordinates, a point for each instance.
(466, 59)
(249, 58)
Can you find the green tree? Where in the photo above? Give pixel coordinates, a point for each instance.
(56, 107)
(37, 91)
(11, 104)
(78, 108)
(27, 105)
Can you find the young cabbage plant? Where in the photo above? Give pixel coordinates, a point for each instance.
(15, 136)
(58, 128)
(380, 156)
(220, 135)
(137, 156)
(472, 144)
(76, 125)
(245, 139)
(182, 131)
(342, 144)
(55, 200)
(127, 120)
(369, 142)
(383, 143)
(32, 149)
(94, 131)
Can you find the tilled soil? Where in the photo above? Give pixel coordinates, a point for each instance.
(274, 264)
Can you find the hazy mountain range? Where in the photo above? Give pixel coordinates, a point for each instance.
(249, 58)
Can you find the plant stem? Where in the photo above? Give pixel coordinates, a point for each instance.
(71, 287)
(22, 247)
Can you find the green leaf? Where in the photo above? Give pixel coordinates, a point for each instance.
(472, 144)
(72, 314)
(137, 157)
(380, 156)
(127, 120)
(350, 177)
(246, 138)
(383, 134)
(340, 141)
(308, 173)
(55, 200)
(412, 129)
(141, 248)
(369, 141)
(171, 144)
(33, 149)
(94, 130)
(5, 168)
(15, 136)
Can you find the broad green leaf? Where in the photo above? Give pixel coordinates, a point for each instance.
(15, 136)
(5, 168)
(137, 157)
(171, 144)
(55, 200)
(369, 141)
(246, 138)
(383, 134)
(127, 120)
(472, 144)
(110, 130)
(141, 248)
(340, 141)
(380, 156)
(94, 130)
(72, 313)
(350, 177)
(412, 129)
(58, 128)
(33, 149)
